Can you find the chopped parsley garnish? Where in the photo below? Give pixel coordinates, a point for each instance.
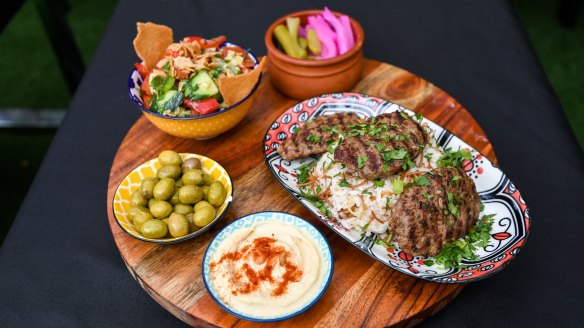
(408, 162)
(331, 145)
(428, 157)
(389, 155)
(454, 158)
(304, 171)
(465, 248)
(401, 137)
(379, 183)
(344, 183)
(403, 115)
(320, 205)
(427, 195)
(313, 138)
(386, 203)
(422, 181)
(452, 207)
(398, 186)
(454, 179)
(384, 242)
(361, 160)
(366, 192)
(419, 117)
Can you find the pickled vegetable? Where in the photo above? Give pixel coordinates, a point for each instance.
(313, 41)
(291, 48)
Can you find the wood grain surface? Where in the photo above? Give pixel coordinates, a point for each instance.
(363, 292)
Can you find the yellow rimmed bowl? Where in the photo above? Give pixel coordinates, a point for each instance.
(196, 127)
(132, 181)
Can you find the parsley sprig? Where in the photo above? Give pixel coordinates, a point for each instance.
(465, 248)
(454, 158)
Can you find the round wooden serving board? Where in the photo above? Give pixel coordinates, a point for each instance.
(363, 292)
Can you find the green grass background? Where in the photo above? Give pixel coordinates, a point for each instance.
(560, 50)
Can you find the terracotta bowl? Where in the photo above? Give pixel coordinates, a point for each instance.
(305, 78)
(196, 127)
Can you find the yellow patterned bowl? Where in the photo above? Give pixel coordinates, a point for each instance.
(121, 203)
(197, 127)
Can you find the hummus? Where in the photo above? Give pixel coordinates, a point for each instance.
(269, 270)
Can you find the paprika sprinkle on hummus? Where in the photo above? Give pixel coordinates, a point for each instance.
(270, 269)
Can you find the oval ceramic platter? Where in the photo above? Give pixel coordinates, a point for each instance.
(498, 194)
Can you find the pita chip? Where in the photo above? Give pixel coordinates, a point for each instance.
(235, 88)
(151, 42)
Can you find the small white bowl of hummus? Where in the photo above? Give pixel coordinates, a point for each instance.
(267, 266)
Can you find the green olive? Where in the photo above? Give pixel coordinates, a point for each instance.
(191, 219)
(193, 177)
(164, 189)
(174, 199)
(183, 209)
(208, 179)
(178, 225)
(190, 194)
(204, 216)
(136, 199)
(191, 163)
(201, 204)
(135, 210)
(217, 193)
(169, 157)
(168, 171)
(154, 229)
(205, 192)
(147, 187)
(151, 201)
(161, 209)
(140, 218)
(178, 184)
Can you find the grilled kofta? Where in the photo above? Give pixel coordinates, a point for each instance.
(381, 146)
(312, 138)
(434, 211)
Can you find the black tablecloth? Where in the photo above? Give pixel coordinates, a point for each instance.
(59, 265)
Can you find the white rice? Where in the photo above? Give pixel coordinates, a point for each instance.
(366, 208)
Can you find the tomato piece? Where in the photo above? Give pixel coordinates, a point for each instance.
(146, 99)
(215, 42)
(203, 107)
(194, 38)
(172, 53)
(145, 87)
(249, 63)
(236, 49)
(141, 69)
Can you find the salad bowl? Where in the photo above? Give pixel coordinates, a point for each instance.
(195, 127)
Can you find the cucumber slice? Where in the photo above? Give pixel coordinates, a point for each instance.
(170, 100)
(201, 86)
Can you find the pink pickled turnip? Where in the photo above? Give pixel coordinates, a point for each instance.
(326, 36)
(302, 31)
(348, 30)
(342, 39)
